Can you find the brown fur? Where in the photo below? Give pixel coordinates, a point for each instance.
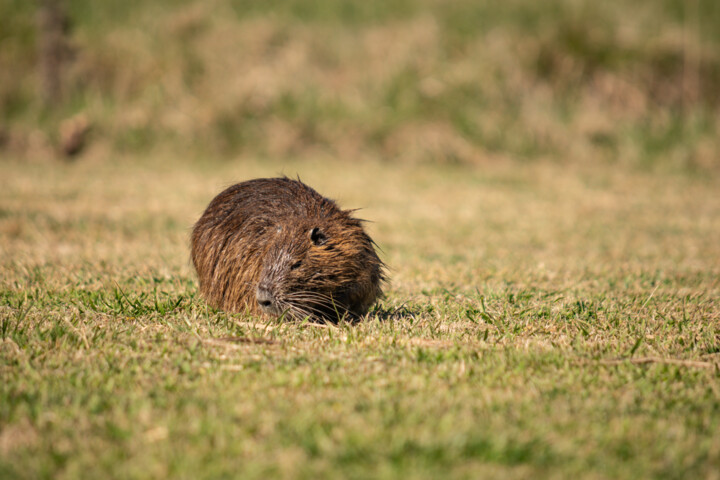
(275, 245)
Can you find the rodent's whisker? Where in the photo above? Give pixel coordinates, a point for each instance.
(300, 313)
(323, 311)
(311, 295)
(303, 298)
(311, 310)
(323, 307)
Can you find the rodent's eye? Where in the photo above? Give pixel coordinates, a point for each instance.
(296, 265)
(317, 236)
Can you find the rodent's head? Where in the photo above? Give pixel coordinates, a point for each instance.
(321, 270)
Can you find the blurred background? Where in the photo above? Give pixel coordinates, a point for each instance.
(633, 84)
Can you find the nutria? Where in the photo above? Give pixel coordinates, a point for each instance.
(275, 245)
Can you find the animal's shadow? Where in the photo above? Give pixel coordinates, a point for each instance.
(381, 313)
(393, 313)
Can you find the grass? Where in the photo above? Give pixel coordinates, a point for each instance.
(541, 177)
(542, 321)
(411, 81)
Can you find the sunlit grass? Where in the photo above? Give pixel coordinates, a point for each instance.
(541, 179)
(540, 321)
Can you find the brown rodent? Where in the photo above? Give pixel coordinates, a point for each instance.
(275, 245)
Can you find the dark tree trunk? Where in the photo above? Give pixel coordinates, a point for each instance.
(52, 45)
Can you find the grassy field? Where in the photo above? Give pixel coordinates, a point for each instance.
(421, 81)
(541, 322)
(542, 179)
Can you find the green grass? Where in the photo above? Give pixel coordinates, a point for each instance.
(459, 81)
(542, 179)
(542, 321)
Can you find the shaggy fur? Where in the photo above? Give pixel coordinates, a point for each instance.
(275, 245)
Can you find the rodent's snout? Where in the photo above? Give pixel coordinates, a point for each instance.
(266, 300)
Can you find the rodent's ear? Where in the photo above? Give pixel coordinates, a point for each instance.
(317, 237)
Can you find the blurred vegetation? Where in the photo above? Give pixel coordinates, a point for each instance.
(630, 83)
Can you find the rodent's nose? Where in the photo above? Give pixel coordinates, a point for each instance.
(264, 299)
